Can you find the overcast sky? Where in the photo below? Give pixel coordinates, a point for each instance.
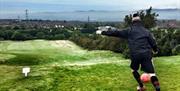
(16, 6)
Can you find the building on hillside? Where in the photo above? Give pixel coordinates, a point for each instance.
(168, 23)
(106, 28)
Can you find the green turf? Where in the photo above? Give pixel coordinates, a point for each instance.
(63, 66)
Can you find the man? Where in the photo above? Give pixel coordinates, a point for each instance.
(141, 43)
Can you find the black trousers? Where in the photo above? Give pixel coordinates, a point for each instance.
(144, 60)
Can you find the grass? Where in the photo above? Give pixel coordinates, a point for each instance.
(63, 66)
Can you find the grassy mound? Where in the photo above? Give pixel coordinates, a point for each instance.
(63, 66)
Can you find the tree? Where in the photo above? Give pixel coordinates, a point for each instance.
(18, 36)
(148, 18)
(88, 28)
(40, 35)
(7, 34)
(16, 27)
(59, 36)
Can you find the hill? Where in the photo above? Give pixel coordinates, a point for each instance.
(63, 66)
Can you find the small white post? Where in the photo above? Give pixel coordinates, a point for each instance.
(25, 71)
(25, 74)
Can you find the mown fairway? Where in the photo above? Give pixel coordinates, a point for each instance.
(63, 66)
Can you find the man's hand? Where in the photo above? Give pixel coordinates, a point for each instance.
(98, 32)
(156, 51)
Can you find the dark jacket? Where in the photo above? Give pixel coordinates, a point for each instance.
(139, 38)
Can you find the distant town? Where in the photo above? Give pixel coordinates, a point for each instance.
(75, 24)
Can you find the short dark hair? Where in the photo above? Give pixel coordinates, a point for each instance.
(135, 15)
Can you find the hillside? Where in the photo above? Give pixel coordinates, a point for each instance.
(63, 66)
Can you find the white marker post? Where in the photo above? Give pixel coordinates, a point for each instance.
(25, 71)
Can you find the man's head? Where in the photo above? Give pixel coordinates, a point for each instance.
(136, 17)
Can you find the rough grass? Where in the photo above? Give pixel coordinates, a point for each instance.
(63, 66)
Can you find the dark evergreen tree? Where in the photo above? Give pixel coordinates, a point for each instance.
(148, 18)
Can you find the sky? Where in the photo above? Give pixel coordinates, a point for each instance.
(19, 6)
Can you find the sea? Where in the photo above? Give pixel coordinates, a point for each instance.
(101, 16)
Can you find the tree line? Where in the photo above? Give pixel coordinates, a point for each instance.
(30, 34)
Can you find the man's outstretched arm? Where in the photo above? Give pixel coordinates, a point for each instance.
(114, 33)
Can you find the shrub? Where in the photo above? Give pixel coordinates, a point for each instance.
(176, 50)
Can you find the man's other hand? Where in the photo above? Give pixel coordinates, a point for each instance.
(157, 51)
(98, 32)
